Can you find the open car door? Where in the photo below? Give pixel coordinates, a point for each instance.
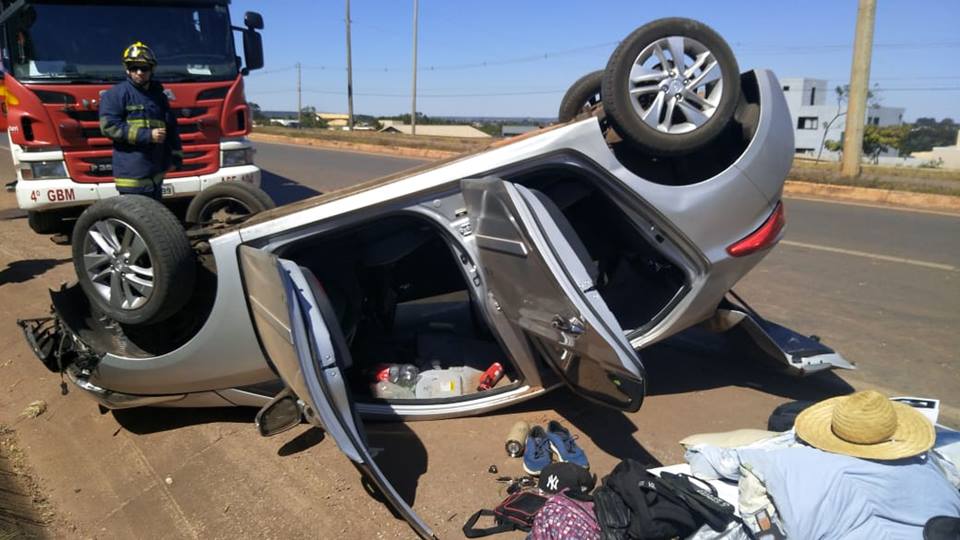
(541, 277)
(300, 334)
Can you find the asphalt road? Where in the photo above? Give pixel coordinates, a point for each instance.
(881, 285)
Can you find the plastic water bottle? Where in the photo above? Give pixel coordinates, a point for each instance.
(399, 374)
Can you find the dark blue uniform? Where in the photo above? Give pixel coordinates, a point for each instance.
(128, 113)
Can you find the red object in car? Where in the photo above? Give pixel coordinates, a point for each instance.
(490, 377)
(762, 238)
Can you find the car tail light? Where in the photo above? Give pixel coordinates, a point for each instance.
(763, 237)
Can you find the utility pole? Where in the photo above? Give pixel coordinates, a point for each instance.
(413, 109)
(349, 74)
(299, 105)
(859, 80)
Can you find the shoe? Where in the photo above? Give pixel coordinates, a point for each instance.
(564, 446)
(536, 456)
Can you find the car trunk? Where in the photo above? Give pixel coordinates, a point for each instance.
(399, 292)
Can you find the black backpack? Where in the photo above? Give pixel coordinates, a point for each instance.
(633, 503)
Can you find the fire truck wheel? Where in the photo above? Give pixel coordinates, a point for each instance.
(50, 222)
(133, 259)
(227, 202)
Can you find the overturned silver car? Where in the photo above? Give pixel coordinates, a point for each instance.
(560, 256)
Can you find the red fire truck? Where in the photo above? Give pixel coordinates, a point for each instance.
(60, 56)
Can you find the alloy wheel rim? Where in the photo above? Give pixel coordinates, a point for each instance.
(675, 85)
(118, 263)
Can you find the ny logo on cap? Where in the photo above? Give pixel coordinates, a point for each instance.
(553, 482)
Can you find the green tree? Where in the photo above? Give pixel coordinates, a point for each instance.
(926, 133)
(309, 119)
(257, 114)
(876, 140)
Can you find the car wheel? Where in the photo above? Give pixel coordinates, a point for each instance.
(46, 222)
(227, 202)
(671, 86)
(133, 259)
(581, 97)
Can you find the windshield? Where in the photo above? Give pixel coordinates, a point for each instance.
(84, 42)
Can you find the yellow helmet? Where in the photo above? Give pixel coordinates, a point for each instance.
(138, 53)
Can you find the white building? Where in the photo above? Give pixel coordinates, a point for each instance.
(817, 116)
(948, 156)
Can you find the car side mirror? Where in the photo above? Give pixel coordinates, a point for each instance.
(253, 20)
(282, 413)
(252, 50)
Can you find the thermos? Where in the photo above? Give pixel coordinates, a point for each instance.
(517, 439)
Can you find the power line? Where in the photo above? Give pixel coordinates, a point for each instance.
(550, 55)
(523, 92)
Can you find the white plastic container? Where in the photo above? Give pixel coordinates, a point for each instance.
(439, 383)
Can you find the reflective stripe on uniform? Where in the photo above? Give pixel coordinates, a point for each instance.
(132, 133)
(139, 182)
(112, 131)
(145, 123)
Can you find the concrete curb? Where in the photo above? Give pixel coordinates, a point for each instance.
(892, 197)
(421, 153)
(926, 201)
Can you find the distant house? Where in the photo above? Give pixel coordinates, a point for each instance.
(285, 122)
(514, 130)
(334, 120)
(433, 130)
(949, 155)
(812, 114)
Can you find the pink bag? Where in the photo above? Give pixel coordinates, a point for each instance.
(564, 518)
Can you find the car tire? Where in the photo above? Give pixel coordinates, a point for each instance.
(581, 96)
(663, 110)
(133, 259)
(226, 202)
(46, 222)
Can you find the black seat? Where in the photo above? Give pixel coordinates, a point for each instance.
(340, 349)
(570, 234)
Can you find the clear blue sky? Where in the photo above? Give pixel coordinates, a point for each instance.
(517, 58)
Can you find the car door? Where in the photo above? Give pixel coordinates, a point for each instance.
(538, 274)
(300, 335)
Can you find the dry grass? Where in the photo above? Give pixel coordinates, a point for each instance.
(24, 510)
(885, 170)
(34, 409)
(937, 181)
(447, 144)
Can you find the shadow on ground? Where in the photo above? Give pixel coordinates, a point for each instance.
(146, 420)
(693, 361)
(400, 455)
(12, 213)
(21, 271)
(698, 360)
(284, 190)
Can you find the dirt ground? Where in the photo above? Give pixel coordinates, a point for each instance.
(192, 473)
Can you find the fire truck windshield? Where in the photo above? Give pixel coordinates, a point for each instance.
(81, 43)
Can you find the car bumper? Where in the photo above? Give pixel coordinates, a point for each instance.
(41, 195)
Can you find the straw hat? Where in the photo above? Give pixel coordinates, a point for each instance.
(865, 425)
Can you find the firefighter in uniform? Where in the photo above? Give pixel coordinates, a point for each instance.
(136, 116)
